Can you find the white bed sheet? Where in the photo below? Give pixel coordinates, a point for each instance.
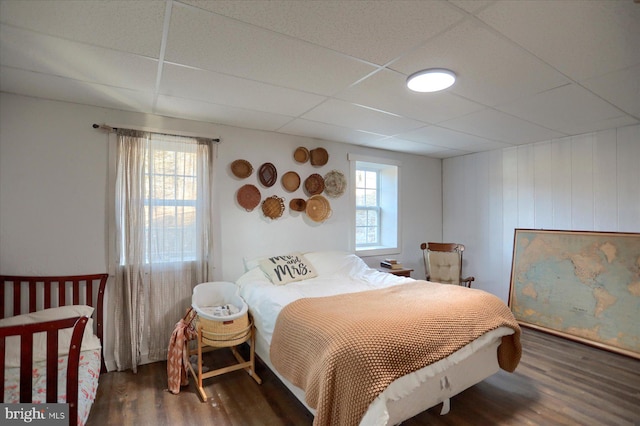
(339, 273)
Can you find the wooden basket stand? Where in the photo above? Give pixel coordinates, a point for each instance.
(213, 335)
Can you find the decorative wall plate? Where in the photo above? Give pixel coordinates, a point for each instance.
(298, 204)
(314, 184)
(301, 154)
(290, 181)
(273, 207)
(267, 174)
(318, 208)
(241, 168)
(335, 184)
(319, 157)
(248, 197)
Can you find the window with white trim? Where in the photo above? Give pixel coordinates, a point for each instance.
(367, 207)
(170, 204)
(376, 225)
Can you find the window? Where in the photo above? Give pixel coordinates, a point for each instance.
(367, 208)
(376, 225)
(161, 197)
(170, 202)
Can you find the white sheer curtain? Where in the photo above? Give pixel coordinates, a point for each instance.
(164, 241)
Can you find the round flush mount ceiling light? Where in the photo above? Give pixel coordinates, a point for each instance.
(431, 80)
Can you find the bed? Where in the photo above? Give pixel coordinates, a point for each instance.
(316, 313)
(51, 331)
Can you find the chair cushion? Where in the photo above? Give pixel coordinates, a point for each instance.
(444, 267)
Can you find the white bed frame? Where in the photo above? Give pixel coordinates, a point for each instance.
(414, 393)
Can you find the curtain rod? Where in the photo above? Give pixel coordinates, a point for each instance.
(115, 129)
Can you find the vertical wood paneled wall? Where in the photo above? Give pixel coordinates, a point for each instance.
(589, 182)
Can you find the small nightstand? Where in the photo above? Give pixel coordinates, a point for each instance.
(398, 272)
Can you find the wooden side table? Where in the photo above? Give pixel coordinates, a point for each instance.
(398, 272)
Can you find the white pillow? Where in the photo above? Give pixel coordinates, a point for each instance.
(253, 275)
(253, 262)
(289, 268)
(328, 263)
(89, 340)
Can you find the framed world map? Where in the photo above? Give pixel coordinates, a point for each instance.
(580, 285)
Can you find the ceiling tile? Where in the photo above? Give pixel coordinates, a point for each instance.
(386, 90)
(349, 115)
(58, 88)
(404, 145)
(211, 113)
(583, 39)
(336, 70)
(569, 109)
(52, 55)
(230, 47)
(221, 89)
(621, 88)
(376, 31)
(131, 26)
(496, 125)
(318, 130)
(451, 139)
(490, 69)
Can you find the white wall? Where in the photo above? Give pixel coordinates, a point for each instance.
(588, 182)
(250, 234)
(54, 192)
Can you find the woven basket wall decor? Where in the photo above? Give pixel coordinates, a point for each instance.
(290, 181)
(314, 184)
(318, 208)
(319, 157)
(301, 154)
(298, 204)
(241, 168)
(267, 174)
(273, 207)
(335, 184)
(248, 197)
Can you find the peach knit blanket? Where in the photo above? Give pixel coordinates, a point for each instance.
(344, 350)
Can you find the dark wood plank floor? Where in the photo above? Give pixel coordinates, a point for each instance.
(558, 382)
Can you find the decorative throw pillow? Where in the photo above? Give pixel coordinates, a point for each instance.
(287, 269)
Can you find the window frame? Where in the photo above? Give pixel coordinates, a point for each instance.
(173, 203)
(376, 208)
(390, 215)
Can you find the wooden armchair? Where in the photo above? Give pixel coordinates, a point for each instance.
(443, 263)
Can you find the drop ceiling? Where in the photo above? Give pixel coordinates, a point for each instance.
(527, 71)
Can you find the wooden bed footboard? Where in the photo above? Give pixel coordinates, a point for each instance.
(51, 328)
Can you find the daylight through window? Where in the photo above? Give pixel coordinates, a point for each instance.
(376, 226)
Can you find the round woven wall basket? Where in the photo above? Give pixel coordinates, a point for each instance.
(241, 168)
(273, 207)
(335, 184)
(301, 154)
(290, 181)
(298, 204)
(314, 184)
(248, 197)
(318, 208)
(319, 157)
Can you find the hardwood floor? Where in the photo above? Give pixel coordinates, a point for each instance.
(558, 382)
